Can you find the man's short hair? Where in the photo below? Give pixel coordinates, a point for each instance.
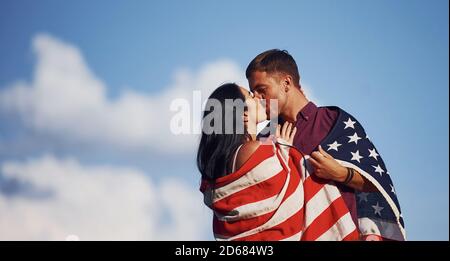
(274, 61)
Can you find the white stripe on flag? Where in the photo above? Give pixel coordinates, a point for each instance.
(256, 208)
(320, 202)
(286, 210)
(372, 226)
(295, 237)
(267, 169)
(343, 227)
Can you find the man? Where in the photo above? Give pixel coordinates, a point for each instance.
(338, 148)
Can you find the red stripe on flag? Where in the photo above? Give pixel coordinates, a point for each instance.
(281, 231)
(261, 153)
(229, 229)
(257, 192)
(326, 219)
(352, 236)
(311, 187)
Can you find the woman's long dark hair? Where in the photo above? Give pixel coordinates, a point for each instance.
(216, 150)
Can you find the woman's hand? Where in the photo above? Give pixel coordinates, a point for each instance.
(286, 132)
(326, 167)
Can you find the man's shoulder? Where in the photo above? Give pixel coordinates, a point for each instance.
(341, 113)
(334, 109)
(345, 119)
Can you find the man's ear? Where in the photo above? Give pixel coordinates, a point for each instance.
(287, 82)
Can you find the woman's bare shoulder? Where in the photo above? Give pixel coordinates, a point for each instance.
(245, 152)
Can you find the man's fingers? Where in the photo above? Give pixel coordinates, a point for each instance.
(324, 152)
(278, 130)
(317, 156)
(314, 163)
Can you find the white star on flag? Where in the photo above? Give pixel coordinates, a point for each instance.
(354, 138)
(392, 189)
(349, 124)
(356, 156)
(373, 153)
(363, 197)
(334, 146)
(377, 208)
(378, 169)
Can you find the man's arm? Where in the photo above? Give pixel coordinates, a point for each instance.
(326, 167)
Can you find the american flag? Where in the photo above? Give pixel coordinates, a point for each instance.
(378, 212)
(273, 196)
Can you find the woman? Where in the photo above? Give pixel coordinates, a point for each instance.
(261, 190)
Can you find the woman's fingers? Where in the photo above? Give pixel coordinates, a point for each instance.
(291, 138)
(283, 131)
(286, 130)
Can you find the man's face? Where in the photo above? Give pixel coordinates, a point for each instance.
(268, 87)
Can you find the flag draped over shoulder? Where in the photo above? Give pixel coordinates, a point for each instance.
(378, 212)
(274, 197)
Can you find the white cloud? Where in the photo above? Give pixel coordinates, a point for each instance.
(99, 203)
(66, 99)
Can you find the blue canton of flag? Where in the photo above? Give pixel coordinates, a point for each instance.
(378, 212)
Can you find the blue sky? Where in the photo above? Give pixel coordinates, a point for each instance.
(385, 62)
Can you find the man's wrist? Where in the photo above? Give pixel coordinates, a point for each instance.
(343, 173)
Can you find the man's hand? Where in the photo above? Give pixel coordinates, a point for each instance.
(326, 167)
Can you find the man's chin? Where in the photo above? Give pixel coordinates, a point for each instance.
(271, 116)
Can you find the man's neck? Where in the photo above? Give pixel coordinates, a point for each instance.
(295, 104)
